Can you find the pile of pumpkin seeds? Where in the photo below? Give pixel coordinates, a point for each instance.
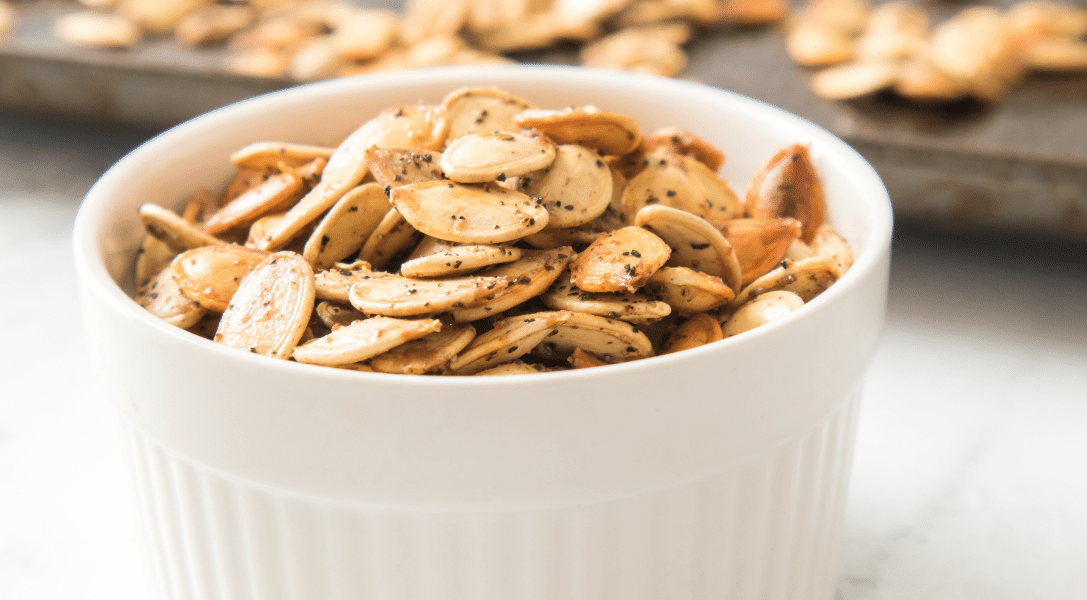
(484, 235)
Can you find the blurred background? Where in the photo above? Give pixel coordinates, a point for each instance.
(971, 469)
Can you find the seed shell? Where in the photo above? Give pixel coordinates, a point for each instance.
(685, 143)
(174, 231)
(395, 296)
(806, 278)
(760, 244)
(363, 339)
(153, 256)
(438, 258)
(473, 110)
(788, 186)
(346, 226)
(688, 291)
(392, 236)
(394, 167)
(469, 213)
(481, 157)
(275, 193)
(632, 308)
(621, 260)
(269, 155)
(427, 354)
(611, 340)
(575, 189)
(700, 329)
(210, 275)
(529, 276)
(695, 243)
(510, 339)
(335, 283)
(162, 298)
(611, 133)
(764, 308)
(271, 309)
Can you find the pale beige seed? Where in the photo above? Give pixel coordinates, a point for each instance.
(652, 49)
(261, 228)
(1056, 54)
(242, 181)
(427, 18)
(688, 291)
(392, 236)
(977, 46)
(534, 31)
(788, 185)
(700, 329)
(766, 307)
(97, 30)
(315, 59)
(610, 340)
(847, 16)
(346, 226)
(257, 62)
(815, 44)
(335, 284)
(334, 315)
(510, 339)
(394, 296)
(427, 354)
(152, 256)
(276, 193)
(799, 250)
(478, 109)
(437, 258)
(611, 133)
(161, 297)
(749, 13)
(806, 278)
(622, 260)
(516, 367)
(469, 213)
(920, 81)
(829, 244)
(210, 275)
(694, 242)
(8, 19)
(671, 140)
(480, 157)
(529, 277)
(633, 308)
(854, 80)
(1046, 19)
(365, 34)
(877, 45)
(760, 244)
(898, 15)
(158, 16)
(575, 189)
(270, 155)
(213, 24)
(270, 311)
(174, 231)
(395, 167)
(404, 127)
(363, 339)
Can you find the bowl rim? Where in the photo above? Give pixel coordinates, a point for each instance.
(91, 223)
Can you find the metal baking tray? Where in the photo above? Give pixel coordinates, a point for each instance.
(1018, 165)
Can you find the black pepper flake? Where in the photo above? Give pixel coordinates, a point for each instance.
(631, 349)
(532, 221)
(325, 240)
(412, 291)
(629, 269)
(457, 264)
(511, 349)
(353, 209)
(670, 193)
(569, 207)
(500, 177)
(346, 273)
(635, 254)
(700, 246)
(599, 163)
(388, 190)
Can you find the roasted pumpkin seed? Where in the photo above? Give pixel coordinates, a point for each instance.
(469, 213)
(619, 261)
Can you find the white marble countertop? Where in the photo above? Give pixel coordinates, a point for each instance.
(971, 466)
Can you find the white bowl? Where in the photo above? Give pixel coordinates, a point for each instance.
(718, 472)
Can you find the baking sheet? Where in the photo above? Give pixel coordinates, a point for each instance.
(1018, 165)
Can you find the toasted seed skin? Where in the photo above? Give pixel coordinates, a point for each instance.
(162, 298)
(473, 110)
(788, 186)
(174, 231)
(588, 126)
(580, 359)
(269, 312)
(395, 296)
(510, 339)
(481, 157)
(346, 226)
(469, 213)
(622, 260)
(210, 275)
(363, 339)
(688, 291)
(575, 188)
(764, 308)
(685, 143)
(275, 193)
(695, 243)
(394, 167)
(393, 235)
(700, 329)
(760, 244)
(268, 155)
(153, 256)
(335, 315)
(335, 283)
(806, 278)
(437, 258)
(529, 276)
(633, 308)
(427, 354)
(610, 340)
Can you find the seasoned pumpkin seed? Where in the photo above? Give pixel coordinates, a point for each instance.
(427, 354)
(575, 189)
(611, 133)
(806, 278)
(529, 277)
(695, 243)
(700, 329)
(469, 213)
(392, 236)
(210, 275)
(175, 232)
(610, 340)
(335, 283)
(510, 339)
(788, 186)
(630, 307)
(346, 226)
(495, 156)
(363, 339)
(760, 244)
(392, 295)
(334, 315)
(618, 261)
(764, 308)
(437, 258)
(394, 167)
(481, 109)
(688, 291)
(269, 155)
(161, 297)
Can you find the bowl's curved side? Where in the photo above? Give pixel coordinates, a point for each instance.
(474, 443)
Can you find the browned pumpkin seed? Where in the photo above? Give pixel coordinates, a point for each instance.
(806, 278)
(346, 226)
(395, 296)
(437, 258)
(580, 359)
(695, 243)
(363, 339)
(153, 256)
(392, 236)
(210, 275)
(175, 232)
(631, 307)
(854, 80)
(610, 340)
(700, 329)
(510, 339)
(498, 155)
(394, 167)
(688, 291)
(680, 182)
(679, 141)
(334, 284)
(271, 308)
(162, 298)
(588, 126)
(472, 110)
(469, 213)
(427, 354)
(618, 261)
(529, 277)
(829, 244)
(788, 186)
(277, 192)
(575, 189)
(760, 244)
